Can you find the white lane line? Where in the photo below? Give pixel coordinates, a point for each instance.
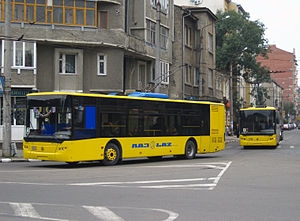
(292, 147)
(103, 213)
(186, 186)
(222, 172)
(137, 182)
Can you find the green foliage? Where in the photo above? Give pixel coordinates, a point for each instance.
(238, 42)
(289, 108)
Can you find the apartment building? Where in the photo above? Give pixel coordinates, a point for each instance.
(283, 70)
(85, 46)
(107, 46)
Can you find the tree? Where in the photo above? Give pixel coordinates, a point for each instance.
(238, 42)
(289, 109)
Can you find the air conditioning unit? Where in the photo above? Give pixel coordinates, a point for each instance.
(197, 2)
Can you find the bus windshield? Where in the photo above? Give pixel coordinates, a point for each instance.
(49, 117)
(257, 122)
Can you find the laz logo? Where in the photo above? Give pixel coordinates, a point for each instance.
(164, 144)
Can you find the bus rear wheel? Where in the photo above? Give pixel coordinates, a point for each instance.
(190, 150)
(112, 154)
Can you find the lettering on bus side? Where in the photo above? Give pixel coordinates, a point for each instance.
(140, 145)
(164, 144)
(147, 145)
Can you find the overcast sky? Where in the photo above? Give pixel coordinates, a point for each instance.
(281, 19)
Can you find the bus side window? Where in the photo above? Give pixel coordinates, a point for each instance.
(79, 114)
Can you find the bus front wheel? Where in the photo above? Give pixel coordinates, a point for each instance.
(190, 150)
(112, 154)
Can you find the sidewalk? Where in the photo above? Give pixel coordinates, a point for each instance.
(17, 158)
(230, 139)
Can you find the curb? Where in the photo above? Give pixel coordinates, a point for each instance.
(8, 160)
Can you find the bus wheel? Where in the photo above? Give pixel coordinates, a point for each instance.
(190, 150)
(111, 154)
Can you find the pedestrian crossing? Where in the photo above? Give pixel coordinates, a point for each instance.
(38, 211)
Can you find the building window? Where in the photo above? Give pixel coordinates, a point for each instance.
(164, 33)
(69, 12)
(101, 64)
(188, 74)
(102, 19)
(188, 36)
(196, 77)
(150, 29)
(67, 63)
(210, 78)
(165, 72)
(24, 54)
(210, 43)
(163, 5)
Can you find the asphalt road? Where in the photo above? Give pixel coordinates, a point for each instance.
(235, 184)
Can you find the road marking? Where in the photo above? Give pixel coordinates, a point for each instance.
(187, 183)
(222, 172)
(27, 210)
(162, 184)
(292, 147)
(103, 213)
(100, 212)
(136, 182)
(172, 215)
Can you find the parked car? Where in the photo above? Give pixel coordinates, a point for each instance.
(285, 127)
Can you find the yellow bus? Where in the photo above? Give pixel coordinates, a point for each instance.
(260, 126)
(77, 127)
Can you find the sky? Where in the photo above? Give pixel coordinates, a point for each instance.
(281, 19)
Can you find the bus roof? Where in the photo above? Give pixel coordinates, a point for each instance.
(158, 97)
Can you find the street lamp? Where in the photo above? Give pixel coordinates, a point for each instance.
(6, 145)
(157, 42)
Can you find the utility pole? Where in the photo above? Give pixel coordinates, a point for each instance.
(7, 83)
(231, 98)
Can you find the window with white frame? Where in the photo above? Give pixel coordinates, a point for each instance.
(165, 72)
(188, 36)
(101, 64)
(67, 63)
(163, 5)
(24, 54)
